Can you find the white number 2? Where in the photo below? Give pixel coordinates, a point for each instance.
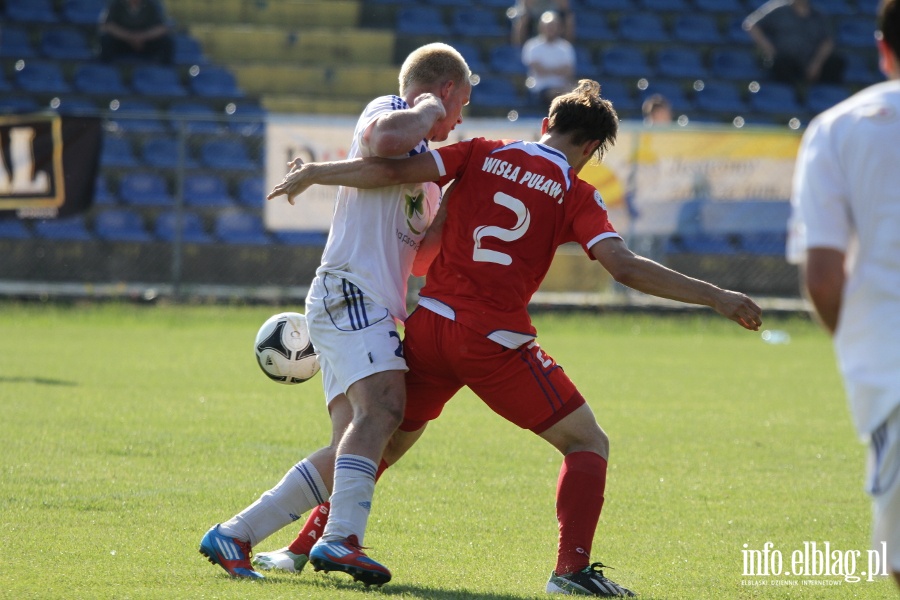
(523, 220)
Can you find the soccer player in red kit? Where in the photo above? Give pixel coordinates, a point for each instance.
(513, 204)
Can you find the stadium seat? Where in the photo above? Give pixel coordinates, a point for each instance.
(226, 155)
(14, 229)
(451, 3)
(251, 192)
(672, 6)
(671, 91)
(721, 98)
(734, 7)
(31, 11)
(215, 82)
(584, 61)
(506, 59)
(16, 104)
(681, 63)
(593, 26)
(421, 20)
(117, 152)
(248, 118)
(477, 23)
(625, 61)
(120, 225)
(157, 81)
(75, 106)
(163, 153)
(619, 93)
(608, 5)
(642, 27)
(16, 43)
(236, 227)
(68, 228)
(138, 116)
(861, 68)
(697, 28)
(823, 96)
(855, 33)
(99, 79)
(83, 12)
(836, 8)
(145, 189)
(206, 190)
(187, 50)
(42, 77)
(301, 238)
(192, 230)
(735, 64)
(755, 226)
(497, 92)
(736, 34)
(102, 195)
(65, 43)
(776, 99)
(197, 117)
(472, 54)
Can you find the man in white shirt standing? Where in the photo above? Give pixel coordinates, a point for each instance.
(846, 232)
(550, 59)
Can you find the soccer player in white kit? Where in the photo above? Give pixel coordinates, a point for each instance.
(357, 296)
(846, 232)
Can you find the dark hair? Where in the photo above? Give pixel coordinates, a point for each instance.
(585, 115)
(889, 24)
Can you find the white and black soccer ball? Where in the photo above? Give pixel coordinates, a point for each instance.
(283, 349)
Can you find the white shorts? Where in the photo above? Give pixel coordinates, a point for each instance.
(884, 486)
(353, 336)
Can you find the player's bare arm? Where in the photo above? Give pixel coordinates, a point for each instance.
(363, 173)
(823, 277)
(395, 133)
(652, 278)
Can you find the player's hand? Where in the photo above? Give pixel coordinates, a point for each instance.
(294, 183)
(740, 309)
(432, 103)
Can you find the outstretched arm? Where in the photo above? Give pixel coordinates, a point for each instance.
(365, 173)
(652, 278)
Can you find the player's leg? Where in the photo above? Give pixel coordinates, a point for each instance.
(884, 487)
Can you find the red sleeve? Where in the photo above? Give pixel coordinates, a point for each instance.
(588, 216)
(457, 156)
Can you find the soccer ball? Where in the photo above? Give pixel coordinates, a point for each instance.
(283, 349)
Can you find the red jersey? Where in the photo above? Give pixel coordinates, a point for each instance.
(514, 204)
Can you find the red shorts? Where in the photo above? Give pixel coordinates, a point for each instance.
(524, 386)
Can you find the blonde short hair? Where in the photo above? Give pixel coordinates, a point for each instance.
(433, 63)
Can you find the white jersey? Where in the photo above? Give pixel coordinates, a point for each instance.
(847, 196)
(376, 233)
(550, 55)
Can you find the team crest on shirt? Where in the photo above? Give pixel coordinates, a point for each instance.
(416, 219)
(599, 200)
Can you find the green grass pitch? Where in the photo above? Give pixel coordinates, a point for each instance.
(128, 430)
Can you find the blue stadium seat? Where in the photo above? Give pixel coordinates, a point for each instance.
(145, 189)
(198, 117)
(506, 59)
(187, 50)
(83, 12)
(836, 8)
(301, 238)
(192, 230)
(451, 3)
(421, 20)
(736, 34)
(697, 28)
(609, 5)
(42, 77)
(237, 227)
(673, 6)
(856, 33)
(472, 54)
(215, 82)
(823, 96)
(734, 63)
(584, 61)
(65, 44)
(248, 118)
(121, 225)
(31, 11)
(593, 26)
(721, 98)
(14, 229)
(157, 81)
(756, 227)
(68, 228)
(102, 195)
(16, 104)
(16, 43)
(138, 116)
(163, 153)
(681, 63)
(5, 84)
(75, 106)
(207, 190)
(671, 91)
(776, 99)
(251, 192)
(861, 68)
(226, 155)
(477, 23)
(497, 92)
(733, 7)
(99, 79)
(618, 93)
(625, 61)
(642, 27)
(117, 152)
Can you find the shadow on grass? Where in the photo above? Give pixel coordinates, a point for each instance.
(37, 380)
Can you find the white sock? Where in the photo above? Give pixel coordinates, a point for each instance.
(351, 499)
(299, 490)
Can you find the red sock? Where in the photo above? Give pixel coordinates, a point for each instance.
(579, 500)
(315, 523)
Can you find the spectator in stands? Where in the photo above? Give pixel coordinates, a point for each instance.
(796, 42)
(550, 59)
(657, 110)
(135, 29)
(526, 16)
